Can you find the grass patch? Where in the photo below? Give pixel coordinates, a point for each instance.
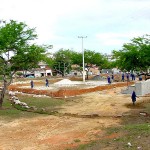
(137, 135)
(41, 102)
(85, 146)
(9, 113)
(77, 140)
(44, 106)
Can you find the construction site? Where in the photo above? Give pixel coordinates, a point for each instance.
(91, 107)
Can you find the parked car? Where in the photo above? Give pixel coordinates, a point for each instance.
(30, 76)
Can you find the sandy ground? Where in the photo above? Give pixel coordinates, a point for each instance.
(85, 118)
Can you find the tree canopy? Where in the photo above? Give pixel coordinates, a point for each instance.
(17, 50)
(134, 55)
(65, 58)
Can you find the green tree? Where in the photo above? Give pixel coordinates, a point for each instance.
(17, 51)
(134, 55)
(90, 58)
(93, 58)
(63, 61)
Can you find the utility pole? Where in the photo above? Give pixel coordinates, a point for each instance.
(82, 37)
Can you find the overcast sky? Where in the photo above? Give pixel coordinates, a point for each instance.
(108, 24)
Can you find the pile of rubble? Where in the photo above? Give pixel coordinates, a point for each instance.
(15, 101)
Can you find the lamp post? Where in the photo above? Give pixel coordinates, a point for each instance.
(82, 37)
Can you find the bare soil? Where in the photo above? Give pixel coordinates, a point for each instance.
(85, 117)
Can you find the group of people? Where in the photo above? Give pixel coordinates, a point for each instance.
(128, 75)
(110, 78)
(46, 83)
(133, 95)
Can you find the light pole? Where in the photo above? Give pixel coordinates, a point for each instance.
(82, 37)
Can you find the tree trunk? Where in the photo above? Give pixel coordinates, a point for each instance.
(2, 93)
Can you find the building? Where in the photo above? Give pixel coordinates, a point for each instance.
(42, 71)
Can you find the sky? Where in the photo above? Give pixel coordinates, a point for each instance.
(108, 24)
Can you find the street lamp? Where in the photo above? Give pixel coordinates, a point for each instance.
(82, 37)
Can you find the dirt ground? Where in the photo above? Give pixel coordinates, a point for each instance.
(84, 118)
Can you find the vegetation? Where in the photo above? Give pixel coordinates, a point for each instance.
(65, 58)
(10, 112)
(134, 55)
(17, 51)
(63, 61)
(133, 137)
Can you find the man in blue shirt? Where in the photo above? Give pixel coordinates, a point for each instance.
(47, 83)
(133, 97)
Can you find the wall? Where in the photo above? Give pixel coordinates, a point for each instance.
(141, 88)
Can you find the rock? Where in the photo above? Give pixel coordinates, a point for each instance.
(26, 107)
(139, 147)
(23, 104)
(129, 144)
(143, 113)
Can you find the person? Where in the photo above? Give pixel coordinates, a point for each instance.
(133, 97)
(112, 77)
(32, 84)
(133, 76)
(47, 83)
(140, 78)
(127, 75)
(122, 77)
(109, 81)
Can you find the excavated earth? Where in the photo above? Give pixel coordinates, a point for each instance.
(84, 119)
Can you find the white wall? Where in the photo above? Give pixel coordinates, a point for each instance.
(141, 88)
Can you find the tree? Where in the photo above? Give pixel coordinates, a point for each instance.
(17, 51)
(93, 58)
(90, 58)
(64, 58)
(134, 55)
(63, 61)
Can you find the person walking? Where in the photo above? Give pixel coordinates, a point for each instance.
(32, 84)
(47, 82)
(127, 75)
(122, 77)
(133, 76)
(140, 78)
(109, 80)
(133, 97)
(112, 77)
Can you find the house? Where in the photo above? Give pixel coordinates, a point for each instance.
(42, 71)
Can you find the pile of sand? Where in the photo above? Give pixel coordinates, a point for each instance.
(67, 82)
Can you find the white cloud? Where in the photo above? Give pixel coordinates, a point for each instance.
(114, 35)
(107, 23)
(112, 39)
